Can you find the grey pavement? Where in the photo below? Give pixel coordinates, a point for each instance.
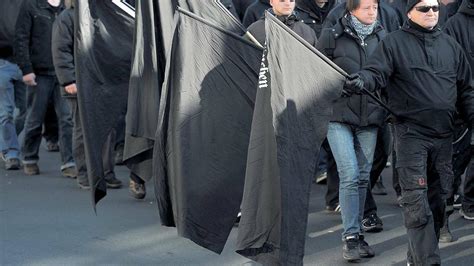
(48, 220)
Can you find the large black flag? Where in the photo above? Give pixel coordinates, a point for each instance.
(290, 122)
(103, 51)
(152, 44)
(203, 130)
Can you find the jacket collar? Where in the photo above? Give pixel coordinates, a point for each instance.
(287, 20)
(417, 30)
(45, 4)
(344, 25)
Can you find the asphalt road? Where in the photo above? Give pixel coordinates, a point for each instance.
(48, 220)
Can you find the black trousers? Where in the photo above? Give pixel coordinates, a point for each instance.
(382, 151)
(424, 167)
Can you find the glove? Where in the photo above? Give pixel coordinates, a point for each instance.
(353, 85)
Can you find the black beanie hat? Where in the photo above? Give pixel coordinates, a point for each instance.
(411, 4)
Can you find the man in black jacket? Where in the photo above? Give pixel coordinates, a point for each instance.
(241, 6)
(314, 12)
(459, 27)
(255, 11)
(429, 76)
(284, 11)
(33, 55)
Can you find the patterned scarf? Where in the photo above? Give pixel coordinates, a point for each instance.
(362, 29)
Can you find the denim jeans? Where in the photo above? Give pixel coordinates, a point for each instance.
(38, 98)
(353, 150)
(9, 146)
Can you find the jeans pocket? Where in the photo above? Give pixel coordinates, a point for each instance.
(415, 209)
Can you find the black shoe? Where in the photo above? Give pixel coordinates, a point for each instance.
(457, 201)
(468, 215)
(138, 191)
(372, 224)
(83, 183)
(379, 188)
(333, 209)
(445, 235)
(113, 182)
(365, 251)
(350, 249)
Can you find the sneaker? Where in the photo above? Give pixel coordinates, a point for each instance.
(365, 251)
(138, 191)
(372, 224)
(468, 215)
(52, 146)
(457, 201)
(321, 179)
(12, 164)
(388, 164)
(350, 249)
(83, 183)
(333, 209)
(379, 188)
(399, 201)
(113, 182)
(69, 172)
(31, 169)
(445, 235)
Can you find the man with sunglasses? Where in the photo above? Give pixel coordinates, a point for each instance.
(428, 76)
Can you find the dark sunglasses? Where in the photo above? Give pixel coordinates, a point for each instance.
(426, 9)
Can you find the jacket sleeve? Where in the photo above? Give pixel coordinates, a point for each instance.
(465, 86)
(379, 68)
(326, 43)
(22, 38)
(63, 48)
(249, 18)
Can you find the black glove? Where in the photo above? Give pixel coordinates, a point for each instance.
(353, 85)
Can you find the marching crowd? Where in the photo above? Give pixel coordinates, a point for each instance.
(415, 55)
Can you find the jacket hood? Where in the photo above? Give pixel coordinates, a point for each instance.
(467, 7)
(311, 7)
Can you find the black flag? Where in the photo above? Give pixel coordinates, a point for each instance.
(290, 120)
(103, 51)
(203, 130)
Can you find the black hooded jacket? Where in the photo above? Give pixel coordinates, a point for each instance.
(428, 74)
(33, 36)
(387, 16)
(313, 15)
(257, 29)
(461, 28)
(343, 46)
(9, 10)
(255, 11)
(63, 48)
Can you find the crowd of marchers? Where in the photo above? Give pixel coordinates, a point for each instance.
(417, 56)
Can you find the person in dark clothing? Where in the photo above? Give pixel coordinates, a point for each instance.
(460, 28)
(314, 12)
(33, 54)
(63, 59)
(400, 6)
(387, 16)
(50, 129)
(255, 12)
(352, 132)
(9, 74)
(428, 76)
(284, 11)
(230, 6)
(241, 6)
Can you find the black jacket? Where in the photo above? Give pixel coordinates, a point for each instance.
(230, 6)
(257, 29)
(341, 44)
(9, 10)
(461, 28)
(241, 6)
(387, 16)
(428, 74)
(62, 47)
(313, 15)
(33, 36)
(255, 11)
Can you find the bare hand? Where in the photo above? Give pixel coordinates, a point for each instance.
(71, 88)
(30, 79)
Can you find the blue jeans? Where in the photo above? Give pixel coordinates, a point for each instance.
(38, 98)
(8, 138)
(353, 150)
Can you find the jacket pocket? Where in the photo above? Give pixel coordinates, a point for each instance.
(415, 209)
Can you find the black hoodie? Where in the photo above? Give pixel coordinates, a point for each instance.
(428, 75)
(313, 15)
(460, 27)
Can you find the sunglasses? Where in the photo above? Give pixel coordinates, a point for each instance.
(426, 9)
